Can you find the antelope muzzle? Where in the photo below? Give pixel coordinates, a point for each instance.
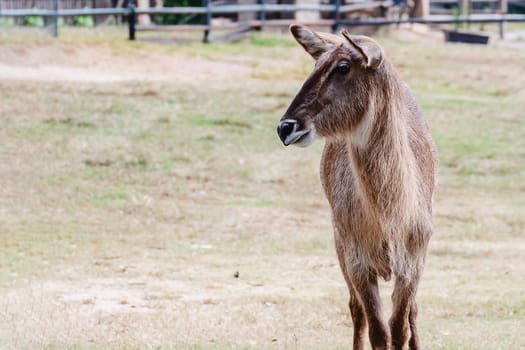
(291, 131)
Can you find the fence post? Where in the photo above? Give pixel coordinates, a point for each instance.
(464, 8)
(503, 7)
(132, 19)
(54, 19)
(335, 14)
(261, 16)
(459, 13)
(207, 22)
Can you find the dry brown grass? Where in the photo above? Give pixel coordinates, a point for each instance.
(153, 206)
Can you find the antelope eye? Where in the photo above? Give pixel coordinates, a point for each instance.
(342, 68)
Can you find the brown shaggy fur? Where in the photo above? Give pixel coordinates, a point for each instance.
(378, 172)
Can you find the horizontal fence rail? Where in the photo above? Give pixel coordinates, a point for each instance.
(64, 12)
(214, 9)
(489, 18)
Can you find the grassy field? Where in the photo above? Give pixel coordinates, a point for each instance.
(147, 203)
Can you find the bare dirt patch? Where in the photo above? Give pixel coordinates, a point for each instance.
(102, 64)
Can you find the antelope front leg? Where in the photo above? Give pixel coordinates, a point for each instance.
(414, 338)
(359, 321)
(403, 320)
(368, 294)
(356, 309)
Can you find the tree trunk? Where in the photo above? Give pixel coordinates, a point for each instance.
(421, 9)
(144, 18)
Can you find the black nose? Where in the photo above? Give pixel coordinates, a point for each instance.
(285, 128)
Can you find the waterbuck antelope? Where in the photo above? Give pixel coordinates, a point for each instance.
(377, 171)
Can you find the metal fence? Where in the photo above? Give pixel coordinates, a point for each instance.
(336, 10)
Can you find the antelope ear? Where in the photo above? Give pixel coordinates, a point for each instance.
(370, 50)
(314, 43)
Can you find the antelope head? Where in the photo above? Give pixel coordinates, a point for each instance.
(338, 93)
